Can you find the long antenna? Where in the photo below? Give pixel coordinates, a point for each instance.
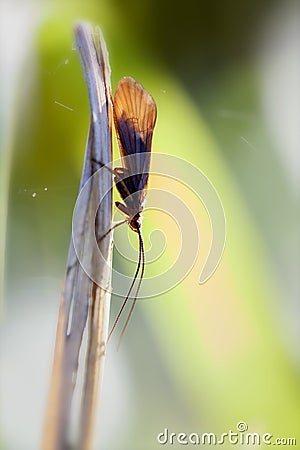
(142, 259)
(141, 255)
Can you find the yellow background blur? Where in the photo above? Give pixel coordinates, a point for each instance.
(199, 358)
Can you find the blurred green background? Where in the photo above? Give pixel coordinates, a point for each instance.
(200, 358)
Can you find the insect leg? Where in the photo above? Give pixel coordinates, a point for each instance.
(111, 229)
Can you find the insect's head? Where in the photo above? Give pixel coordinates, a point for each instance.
(135, 222)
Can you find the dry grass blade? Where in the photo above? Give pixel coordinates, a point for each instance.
(82, 299)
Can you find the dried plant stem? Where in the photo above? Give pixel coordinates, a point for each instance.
(82, 299)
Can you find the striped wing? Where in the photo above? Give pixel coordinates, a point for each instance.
(134, 117)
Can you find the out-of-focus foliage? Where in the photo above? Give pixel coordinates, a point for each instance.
(199, 358)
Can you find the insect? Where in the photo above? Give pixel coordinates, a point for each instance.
(135, 114)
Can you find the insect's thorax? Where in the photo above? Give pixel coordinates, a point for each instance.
(134, 218)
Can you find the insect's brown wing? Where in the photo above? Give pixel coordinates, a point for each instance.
(134, 117)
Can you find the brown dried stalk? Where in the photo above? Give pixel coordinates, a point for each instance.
(82, 298)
